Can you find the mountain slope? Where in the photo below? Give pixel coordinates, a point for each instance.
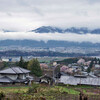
(47, 29)
(50, 29)
(81, 30)
(50, 43)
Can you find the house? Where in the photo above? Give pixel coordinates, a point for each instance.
(54, 63)
(15, 75)
(97, 73)
(46, 79)
(7, 59)
(71, 80)
(97, 66)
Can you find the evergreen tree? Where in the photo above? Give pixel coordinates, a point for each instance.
(99, 61)
(57, 71)
(95, 59)
(90, 67)
(34, 66)
(89, 70)
(21, 62)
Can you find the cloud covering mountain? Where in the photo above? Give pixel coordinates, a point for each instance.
(94, 38)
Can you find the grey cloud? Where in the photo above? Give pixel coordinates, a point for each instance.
(38, 11)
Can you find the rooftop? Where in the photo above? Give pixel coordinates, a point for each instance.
(75, 81)
(14, 70)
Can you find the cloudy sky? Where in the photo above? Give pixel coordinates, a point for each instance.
(25, 15)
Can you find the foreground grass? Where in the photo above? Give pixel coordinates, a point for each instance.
(14, 89)
(67, 90)
(48, 92)
(43, 88)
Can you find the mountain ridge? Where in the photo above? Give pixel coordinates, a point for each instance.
(81, 30)
(50, 29)
(50, 43)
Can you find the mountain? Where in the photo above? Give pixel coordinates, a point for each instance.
(81, 30)
(5, 30)
(54, 43)
(13, 48)
(50, 29)
(96, 31)
(47, 29)
(50, 43)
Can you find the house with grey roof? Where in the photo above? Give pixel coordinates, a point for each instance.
(71, 80)
(15, 75)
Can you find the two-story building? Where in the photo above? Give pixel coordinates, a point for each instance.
(15, 75)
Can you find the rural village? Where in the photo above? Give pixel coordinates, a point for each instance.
(63, 75)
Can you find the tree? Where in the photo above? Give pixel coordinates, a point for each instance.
(90, 67)
(89, 70)
(21, 62)
(56, 72)
(99, 61)
(34, 66)
(91, 64)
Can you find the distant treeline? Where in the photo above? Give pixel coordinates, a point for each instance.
(44, 53)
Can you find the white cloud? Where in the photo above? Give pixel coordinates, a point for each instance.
(24, 15)
(94, 38)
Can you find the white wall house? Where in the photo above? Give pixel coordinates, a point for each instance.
(14, 74)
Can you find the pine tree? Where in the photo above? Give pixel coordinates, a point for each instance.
(21, 62)
(89, 70)
(90, 67)
(99, 61)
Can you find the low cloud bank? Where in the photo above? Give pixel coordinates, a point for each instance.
(94, 38)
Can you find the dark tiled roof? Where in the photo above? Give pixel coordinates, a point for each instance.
(5, 79)
(14, 70)
(19, 80)
(46, 76)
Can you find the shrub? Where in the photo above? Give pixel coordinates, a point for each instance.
(2, 95)
(33, 88)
